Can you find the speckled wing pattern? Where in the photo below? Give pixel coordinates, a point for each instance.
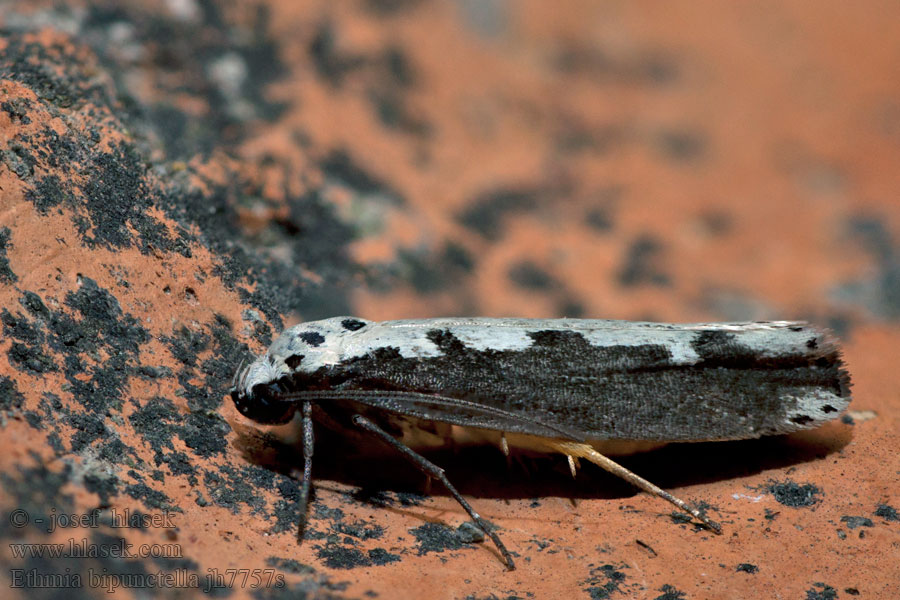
(599, 379)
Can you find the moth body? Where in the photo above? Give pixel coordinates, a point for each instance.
(561, 385)
(593, 379)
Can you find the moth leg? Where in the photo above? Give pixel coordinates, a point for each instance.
(308, 443)
(504, 446)
(432, 470)
(586, 451)
(573, 464)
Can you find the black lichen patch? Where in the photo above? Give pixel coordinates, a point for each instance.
(223, 66)
(880, 294)
(642, 264)
(117, 191)
(317, 241)
(96, 326)
(670, 593)
(821, 591)
(289, 565)
(747, 568)
(37, 492)
(680, 145)
(118, 200)
(104, 487)
(604, 581)
(680, 518)
(794, 494)
(434, 537)
(429, 271)
(359, 530)
(6, 273)
(887, 512)
(102, 329)
(342, 169)
(88, 429)
(599, 218)
(158, 421)
(383, 77)
(55, 72)
(228, 487)
(646, 66)
(27, 351)
(17, 109)
(856, 522)
(486, 212)
(391, 8)
(529, 276)
(152, 499)
(392, 76)
(111, 205)
(48, 192)
(214, 373)
(10, 398)
(332, 64)
(343, 557)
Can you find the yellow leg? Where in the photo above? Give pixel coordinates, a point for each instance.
(577, 449)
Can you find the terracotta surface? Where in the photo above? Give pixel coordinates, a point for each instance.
(181, 179)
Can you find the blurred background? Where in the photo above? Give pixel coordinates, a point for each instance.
(214, 171)
(408, 158)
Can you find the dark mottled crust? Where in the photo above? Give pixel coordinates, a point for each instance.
(632, 392)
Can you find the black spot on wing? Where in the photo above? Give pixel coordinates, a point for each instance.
(722, 348)
(554, 337)
(293, 361)
(352, 324)
(446, 342)
(313, 338)
(616, 390)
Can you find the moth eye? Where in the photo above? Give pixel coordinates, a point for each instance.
(266, 403)
(269, 392)
(293, 361)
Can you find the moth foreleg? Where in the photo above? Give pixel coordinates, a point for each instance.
(308, 444)
(432, 470)
(578, 449)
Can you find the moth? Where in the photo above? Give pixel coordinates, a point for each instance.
(558, 384)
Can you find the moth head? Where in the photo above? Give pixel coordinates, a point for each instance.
(262, 391)
(259, 393)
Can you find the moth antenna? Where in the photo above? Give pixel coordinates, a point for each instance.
(572, 464)
(376, 398)
(586, 451)
(308, 444)
(234, 379)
